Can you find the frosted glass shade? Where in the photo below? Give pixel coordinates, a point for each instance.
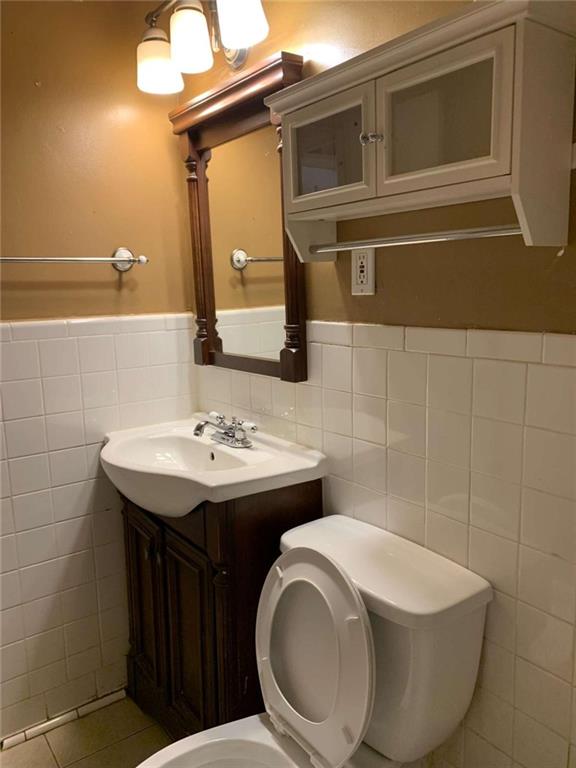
(156, 71)
(190, 39)
(242, 24)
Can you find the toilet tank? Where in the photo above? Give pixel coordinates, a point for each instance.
(427, 615)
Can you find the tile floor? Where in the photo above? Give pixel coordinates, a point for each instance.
(118, 736)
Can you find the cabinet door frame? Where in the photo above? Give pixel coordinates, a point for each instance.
(363, 95)
(177, 550)
(498, 46)
(136, 525)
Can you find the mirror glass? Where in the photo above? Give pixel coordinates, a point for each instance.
(245, 201)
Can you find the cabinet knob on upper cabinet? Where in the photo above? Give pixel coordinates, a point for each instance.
(370, 138)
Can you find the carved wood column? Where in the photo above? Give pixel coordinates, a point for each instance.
(207, 339)
(293, 356)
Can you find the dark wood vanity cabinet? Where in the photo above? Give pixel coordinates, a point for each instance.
(194, 584)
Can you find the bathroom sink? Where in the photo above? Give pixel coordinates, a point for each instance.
(166, 469)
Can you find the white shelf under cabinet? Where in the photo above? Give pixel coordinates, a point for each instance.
(512, 64)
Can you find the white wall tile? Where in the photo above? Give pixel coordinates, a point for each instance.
(36, 546)
(13, 661)
(61, 394)
(10, 590)
(479, 753)
(450, 383)
(497, 449)
(370, 506)
(543, 697)
(547, 582)
(337, 411)
(369, 465)
(559, 349)
(448, 490)
(407, 427)
(132, 350)
(20, 361)
(29, 474)
(441, 341)
(499, 390)
(21, 399)
(45, 648)
(99, 421)
(315, 364)
(505, 345)
(330, 333)
(338, 496)
(102, 388)
(73, 535)
(68, 466)
(261, 394)
(378, 336)
(551, 398)
(492, 718)
(65, 430)
(406, 519)
(71, 695)
(448, 437)
(369, 418)
(79, 602)
(337, 367)
(309, 405)
(284, 400)
(545, 641)
(406, 477)
(42, 615)
(96, 326)
(497, 671)
(73, 500)
(44, 329)
(407, 376)
(549, 524)
(369, 372)
(550, 461)
(338, 450)
(495, 505)
(58, 357)
(32, 510)
(8, 553)
(536, 746)
(97, 353)
(494, 558)
(447, 537)
(25, 437)
(45, 678)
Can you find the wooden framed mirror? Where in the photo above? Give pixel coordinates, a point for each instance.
(230, 129)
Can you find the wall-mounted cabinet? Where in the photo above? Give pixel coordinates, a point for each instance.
(474, 106)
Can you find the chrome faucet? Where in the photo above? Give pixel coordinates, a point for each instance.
(232, 434)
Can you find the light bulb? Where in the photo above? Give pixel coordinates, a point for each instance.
(156, 71)
(242, 24)
(191, 49)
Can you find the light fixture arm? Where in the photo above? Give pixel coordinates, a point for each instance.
(152, 17)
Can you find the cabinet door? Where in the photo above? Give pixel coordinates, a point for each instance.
(145, 588)
(192, 684)
(447, 119)
(325, 162)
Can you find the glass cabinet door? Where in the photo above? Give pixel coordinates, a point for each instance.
(330, 158)
(447, 119)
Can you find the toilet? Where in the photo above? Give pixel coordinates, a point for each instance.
(367, 647)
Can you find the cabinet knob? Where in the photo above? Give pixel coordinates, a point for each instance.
(370, 138)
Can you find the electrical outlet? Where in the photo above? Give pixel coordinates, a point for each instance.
(363, 272)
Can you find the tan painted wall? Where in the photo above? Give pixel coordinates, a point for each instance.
(88, 163)
(489, 283)
(246, 212)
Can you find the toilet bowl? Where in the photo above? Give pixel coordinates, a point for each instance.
(367, 648)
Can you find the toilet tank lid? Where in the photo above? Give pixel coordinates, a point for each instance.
(398, 580)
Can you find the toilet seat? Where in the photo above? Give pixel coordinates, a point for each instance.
(315, 656)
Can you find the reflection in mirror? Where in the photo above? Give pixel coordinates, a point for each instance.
(246, 213)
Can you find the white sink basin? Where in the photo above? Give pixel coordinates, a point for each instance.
(165, 469)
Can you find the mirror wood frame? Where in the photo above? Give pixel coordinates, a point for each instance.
(211, 119)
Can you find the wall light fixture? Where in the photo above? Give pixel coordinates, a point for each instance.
(235, 26)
